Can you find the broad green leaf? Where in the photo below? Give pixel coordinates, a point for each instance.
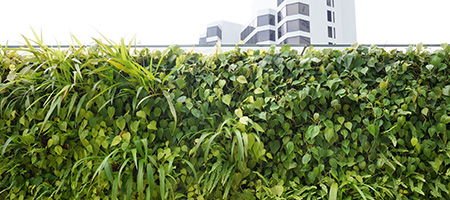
(152, 125)
(383, 85)
(341, 120)
(120, 123)
(58, 149)
(141, 114)
(278, 190)
(134, 126)
(259, 91)
(241, 79)
(226, 99)
(126, 136)
(289, 147)
(181, 83)
(329, 134)
(371, 129)
(306, 158)
(238, 112)
(445, 119)
(244, 120)
(222, 83)
(196, 113)
(116, 140)
(414, 141)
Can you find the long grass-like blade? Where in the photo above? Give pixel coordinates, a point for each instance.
(140, 178)
(333, 191)
(96, 96)
(150, 180)
(10, 139)
(102, 165)
(240, 144)
(50, 111)
(172, 109)
(80, 102)
(162, 184)
(359, 191)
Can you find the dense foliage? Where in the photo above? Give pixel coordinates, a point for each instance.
(107, 122)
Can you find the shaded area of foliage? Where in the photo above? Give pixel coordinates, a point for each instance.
(107, 122)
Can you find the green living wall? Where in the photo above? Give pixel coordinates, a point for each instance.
(112, 122)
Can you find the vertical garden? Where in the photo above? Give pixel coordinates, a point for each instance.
(110, 121)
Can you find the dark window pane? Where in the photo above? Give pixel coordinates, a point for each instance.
(266, 20)
(297, 40)
(214, 31)
(202, 40)
(330, 32)
(212, 42)
(334, 17)
(279, 2)
(282, 14)
(253, 40)
(293, 25)
(292, 9)
(247, 31)
(267, 35)
(328, 2)
(305, 40)
(304, 25)
(297, 25)
(304, 9)
(329, 16)
(281, 30)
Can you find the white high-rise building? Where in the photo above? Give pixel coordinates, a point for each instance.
(290, 22)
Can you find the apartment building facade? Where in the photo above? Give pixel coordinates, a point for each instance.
(295, 22)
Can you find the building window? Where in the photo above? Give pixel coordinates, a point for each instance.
(248, 30)
(214, 31)
(267, 35)
(329, 16)
(330, 3)
(297, 40)
(334, 18)
(211, 42)
(262, 36)
(202, 40)
(294, 25)
(330, 32)
(266, 20)
(279, 2)
(293, 9)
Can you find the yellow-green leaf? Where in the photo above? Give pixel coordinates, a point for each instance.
(116, 140)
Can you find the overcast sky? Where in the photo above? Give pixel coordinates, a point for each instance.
(164, 22)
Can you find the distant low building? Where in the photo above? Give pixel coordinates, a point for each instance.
(294, 22)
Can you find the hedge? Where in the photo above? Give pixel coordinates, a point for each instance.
(109, 121)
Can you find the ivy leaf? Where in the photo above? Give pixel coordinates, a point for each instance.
(329, 134)
(226, 99)
(116, 140)
(120, 123)
(241, 79)
(278, 190)
(141, 114)
(341, 120)
(371, 129)
(348, 125)
(152, 125)
(238, 112)
(414, 141)
(244, 120)
(259, 91)
(306, 158)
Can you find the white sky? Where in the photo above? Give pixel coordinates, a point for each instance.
(164, 22)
